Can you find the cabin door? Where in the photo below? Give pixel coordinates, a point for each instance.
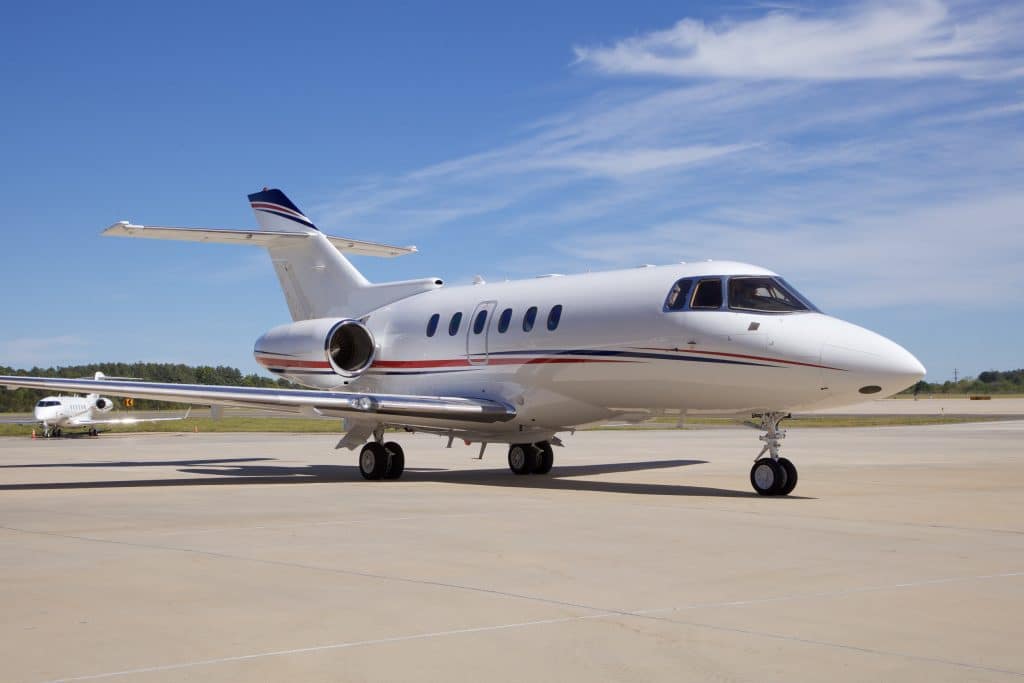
(477, 332)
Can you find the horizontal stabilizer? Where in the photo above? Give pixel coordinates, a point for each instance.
(262, 238)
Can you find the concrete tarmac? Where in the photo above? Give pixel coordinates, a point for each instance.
(645, 556)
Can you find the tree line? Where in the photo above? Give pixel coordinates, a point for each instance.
(988, 382)
(23, 400)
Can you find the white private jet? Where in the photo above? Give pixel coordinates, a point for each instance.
(520, 362)
(57, 413)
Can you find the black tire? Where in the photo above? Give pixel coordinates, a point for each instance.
(373, 461)
(765, 476)
(396, 460)
(522, 458)
(545, 457)
(791, 477)
(58, 433)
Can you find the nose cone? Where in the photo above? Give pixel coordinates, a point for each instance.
(869, 363)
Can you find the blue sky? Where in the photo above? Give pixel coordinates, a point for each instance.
(871, 152)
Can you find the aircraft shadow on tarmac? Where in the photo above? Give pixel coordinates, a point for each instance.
(242, 471)
(136, 463)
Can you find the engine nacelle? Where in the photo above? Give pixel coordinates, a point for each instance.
(104, 405)
(319, 352)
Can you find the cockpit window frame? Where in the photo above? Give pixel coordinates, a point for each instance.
(698, 281)
(677, 299)
(780, 283)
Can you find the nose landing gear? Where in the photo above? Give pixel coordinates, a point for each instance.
(774, 475)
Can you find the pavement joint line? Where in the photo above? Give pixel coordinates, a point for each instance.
(640, 614)
(887, 522)
(597, 612)
(332, 522)
(330, 646)
(839, 646)
(329, 570)
(830, 594)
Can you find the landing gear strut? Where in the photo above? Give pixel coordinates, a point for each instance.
(773, 475)
(531, 458)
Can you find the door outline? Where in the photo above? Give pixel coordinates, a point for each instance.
(477, 345)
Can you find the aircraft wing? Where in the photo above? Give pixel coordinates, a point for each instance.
(384, 407)
(19, 421)
(132, 420)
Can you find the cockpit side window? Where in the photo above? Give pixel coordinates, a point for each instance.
(677, 296)
(764, 294)
(707, 294)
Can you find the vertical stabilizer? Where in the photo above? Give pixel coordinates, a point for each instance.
(274, 211)
(317, 280)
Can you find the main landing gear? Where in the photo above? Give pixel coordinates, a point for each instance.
(381, 460)
(531, 458)
(774, 475)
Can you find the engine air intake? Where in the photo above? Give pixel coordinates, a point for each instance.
(350, 348)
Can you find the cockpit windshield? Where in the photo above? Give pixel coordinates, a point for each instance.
(761, 293)
(47, 404)
(768, 294)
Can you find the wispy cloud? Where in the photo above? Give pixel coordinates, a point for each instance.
(904, 40)
(893, 259)
(868, 152)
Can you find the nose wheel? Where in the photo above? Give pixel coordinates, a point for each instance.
(773, 475)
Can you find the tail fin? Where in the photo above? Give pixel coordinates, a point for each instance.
(274, 211)
(316, 278)
(313, 274)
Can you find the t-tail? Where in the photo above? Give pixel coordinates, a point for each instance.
(317, 280)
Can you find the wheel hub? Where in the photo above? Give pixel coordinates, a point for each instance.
(368, 460)
(518, 458)
(764, 476)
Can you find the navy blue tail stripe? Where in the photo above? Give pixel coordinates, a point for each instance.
(291, 218)
(274, 196)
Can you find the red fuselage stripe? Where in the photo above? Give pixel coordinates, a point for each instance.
(462, 362)
(291, 363)
(742, 355)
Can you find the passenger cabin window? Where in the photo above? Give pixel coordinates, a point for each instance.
(677, 296)
(504, 320)
(529, 318)
(707, 294)
(554, 316)
(432, 324)
(453, 326)
(480, 322)
(766, 294)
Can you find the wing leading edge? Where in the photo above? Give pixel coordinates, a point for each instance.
(386, 407)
